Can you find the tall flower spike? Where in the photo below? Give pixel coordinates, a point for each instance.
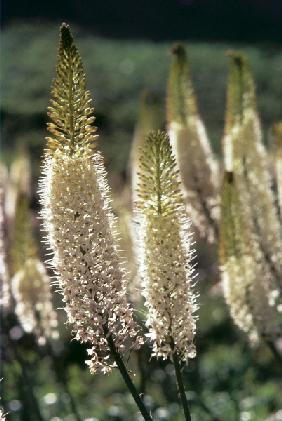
(197, 164)
(251, 171)
(165, 252)
(79, 221)
(149, 118)
(246, 293)
(249, 285)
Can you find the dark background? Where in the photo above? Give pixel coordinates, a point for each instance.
(214, 20)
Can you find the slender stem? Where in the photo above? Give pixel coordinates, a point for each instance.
(127, 379)
(181, 387)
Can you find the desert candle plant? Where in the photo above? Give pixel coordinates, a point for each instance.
(166, 256)
(81, 227)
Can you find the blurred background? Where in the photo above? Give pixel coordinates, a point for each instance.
(125, 47)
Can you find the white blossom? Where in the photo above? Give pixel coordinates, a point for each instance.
(81, 233)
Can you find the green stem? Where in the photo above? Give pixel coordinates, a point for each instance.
(127, 378)
(181, 387)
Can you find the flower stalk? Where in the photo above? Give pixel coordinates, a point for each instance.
(181, 387)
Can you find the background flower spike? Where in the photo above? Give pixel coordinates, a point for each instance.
(197, 163)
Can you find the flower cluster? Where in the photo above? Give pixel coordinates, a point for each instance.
(165, 252)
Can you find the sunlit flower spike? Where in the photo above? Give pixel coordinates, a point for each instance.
(166, 252)
(79, 221)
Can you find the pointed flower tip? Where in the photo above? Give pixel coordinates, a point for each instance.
(178, 50)
(157, 137)
(148, 97)
(237, 58)
(66, 36)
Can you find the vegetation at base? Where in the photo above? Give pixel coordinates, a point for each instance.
(227, 377)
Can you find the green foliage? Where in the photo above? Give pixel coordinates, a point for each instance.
(229, 378)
